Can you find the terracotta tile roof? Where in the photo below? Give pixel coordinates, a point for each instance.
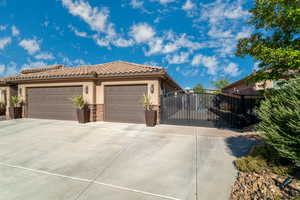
(118, 68)
(41, 69)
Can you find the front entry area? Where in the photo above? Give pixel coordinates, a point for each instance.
(123, 103)
(52, 102)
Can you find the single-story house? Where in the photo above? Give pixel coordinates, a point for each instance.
(113, 91)
(244, 87)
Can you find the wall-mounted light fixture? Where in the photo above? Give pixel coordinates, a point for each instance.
(86, 89)
(152, 88)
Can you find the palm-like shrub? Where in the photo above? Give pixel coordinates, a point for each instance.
(15, 101)
(147, 102)
(2, 105)
(78, 101)
(280, 120)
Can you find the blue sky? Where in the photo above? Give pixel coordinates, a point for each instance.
(194, 40)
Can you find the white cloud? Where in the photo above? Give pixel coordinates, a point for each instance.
(2, 69)
(2, 27)
(235, 12)
(256, 66)
(121, 42)
(96, 18)
(151, 63)
(78, 33)
(180, 58)
(155, 46)
(221, 10)
(4, 42)
(76, 62)
(226, 47)
(8, 69)
(15, 31)
(171, 47)
(103, 42)
(142, 32)
(246, 32)
(196, 60)
(190, 72)
(44, 56)
(30, 45)
(225, 24)
(215, 32)
(165, 1)
(232, 69)
(31, 64)
(136, 3)
(189, 5)
(210, 62)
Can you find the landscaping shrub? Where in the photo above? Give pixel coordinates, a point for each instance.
(280, 120)
(264, 158)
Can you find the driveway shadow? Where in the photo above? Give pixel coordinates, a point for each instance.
(240, 145)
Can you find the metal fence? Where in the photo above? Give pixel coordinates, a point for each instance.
(212, 110)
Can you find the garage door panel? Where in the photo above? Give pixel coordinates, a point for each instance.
(52, 102)
(125, 99)
(123, 103)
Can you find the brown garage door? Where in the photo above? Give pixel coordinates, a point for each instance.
(123, 103)
(52, 102)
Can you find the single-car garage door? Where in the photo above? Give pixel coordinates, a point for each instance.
(52, 102)
(123, 103)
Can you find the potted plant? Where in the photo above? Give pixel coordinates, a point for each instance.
(150, 114)
(16, 109)
(2, 108)
(82, 111)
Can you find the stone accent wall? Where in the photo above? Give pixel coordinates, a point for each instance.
(96, 112)
(99, 112)
(156, 107)
(92, 111)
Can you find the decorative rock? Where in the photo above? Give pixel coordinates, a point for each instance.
(252, 186)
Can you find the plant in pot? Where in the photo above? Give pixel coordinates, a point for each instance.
(150, 114)
(16, 109)
(82, 110)
(2, 108)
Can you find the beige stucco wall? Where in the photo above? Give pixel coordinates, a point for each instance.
(264, 85)
(89, 98)
(154, 96)
(96, 91)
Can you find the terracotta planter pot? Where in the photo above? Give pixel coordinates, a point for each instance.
(15, 112)
(150, 117)
(83, 115)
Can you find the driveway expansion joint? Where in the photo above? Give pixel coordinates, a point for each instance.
(90, 181)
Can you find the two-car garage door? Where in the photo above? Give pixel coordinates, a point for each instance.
(52, 102)
(122, 103)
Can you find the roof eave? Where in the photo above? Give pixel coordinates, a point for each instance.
(86, 77)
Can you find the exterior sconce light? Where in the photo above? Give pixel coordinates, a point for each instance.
(86, 89)
(152, 88)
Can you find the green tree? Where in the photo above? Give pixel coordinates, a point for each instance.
(276, 41)
(280, 120)
(220, 83)
(198, 88)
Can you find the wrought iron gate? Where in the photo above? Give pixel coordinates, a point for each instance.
(209, 110)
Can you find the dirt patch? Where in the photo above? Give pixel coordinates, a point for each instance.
(252, 186)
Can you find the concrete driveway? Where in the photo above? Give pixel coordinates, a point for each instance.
(55, 160)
